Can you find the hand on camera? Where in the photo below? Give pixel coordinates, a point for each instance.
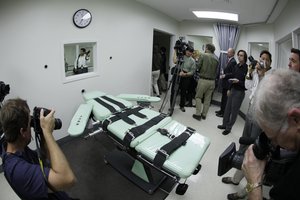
(252, 167)
(47, 122)
(182, 74)
(260, 71)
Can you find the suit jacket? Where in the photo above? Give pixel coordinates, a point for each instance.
(228, 72)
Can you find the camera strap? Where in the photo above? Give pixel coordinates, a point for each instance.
(165, 151)
(38, 139)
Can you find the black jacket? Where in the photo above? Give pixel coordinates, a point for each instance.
(228, 72)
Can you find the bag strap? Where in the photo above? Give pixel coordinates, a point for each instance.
(165, 151)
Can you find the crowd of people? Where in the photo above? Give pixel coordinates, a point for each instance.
(236, 78)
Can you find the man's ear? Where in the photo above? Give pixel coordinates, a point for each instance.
(294, 116)
(23, 131)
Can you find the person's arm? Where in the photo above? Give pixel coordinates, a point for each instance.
(193, 68)
(61, 175)
(253, 170)
(75, 63)
(174, 57)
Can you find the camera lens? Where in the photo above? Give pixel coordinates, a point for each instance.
(262, 64)
(57, 123)
(237, 160)
(35, 119)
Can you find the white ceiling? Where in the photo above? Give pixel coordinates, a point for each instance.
(250, 11)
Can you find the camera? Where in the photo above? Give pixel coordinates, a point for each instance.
(35, 120)
(279, 160)
(181, 47)
(4, 90)
(253, 63)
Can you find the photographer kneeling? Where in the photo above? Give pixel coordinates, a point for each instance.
(23, 168)
(277, 110)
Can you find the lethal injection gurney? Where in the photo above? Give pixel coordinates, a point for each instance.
(155, 149)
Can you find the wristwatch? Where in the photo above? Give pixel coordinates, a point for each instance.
(251, 186)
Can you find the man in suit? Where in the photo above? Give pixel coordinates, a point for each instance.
(231, 62)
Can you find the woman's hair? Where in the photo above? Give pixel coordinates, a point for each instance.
(245, 54)
(277, 93)
(14, 115)
(196, 53)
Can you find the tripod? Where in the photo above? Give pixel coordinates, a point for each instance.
(174, 86)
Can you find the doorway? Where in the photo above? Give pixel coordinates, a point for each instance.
(163, 41)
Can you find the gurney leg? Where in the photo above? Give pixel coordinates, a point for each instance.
(147, 178)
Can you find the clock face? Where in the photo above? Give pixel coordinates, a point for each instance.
(82, 18)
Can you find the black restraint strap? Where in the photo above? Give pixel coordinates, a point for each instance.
(139, 130)
(106, 105)
(124, 116)
(121, 105)
(165, 151)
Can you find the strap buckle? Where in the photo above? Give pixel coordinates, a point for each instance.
(165, 132)
(129, 133)
(109, 121)
(162, 153)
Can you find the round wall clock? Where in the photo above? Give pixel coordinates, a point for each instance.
(82, 18)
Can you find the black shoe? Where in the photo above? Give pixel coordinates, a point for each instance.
(234, 196)
(221, 127)
(228, 180)
(226, 132)
(197, 117)
(219, 114)
(182, 109)
(203, 117)
(189, 105)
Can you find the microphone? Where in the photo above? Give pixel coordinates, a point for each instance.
(246, 140)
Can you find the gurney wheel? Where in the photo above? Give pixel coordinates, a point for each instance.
(197, 169)
(181, 188)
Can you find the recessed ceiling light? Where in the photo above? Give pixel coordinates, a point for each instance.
(217, 15)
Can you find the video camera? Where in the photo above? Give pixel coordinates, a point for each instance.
(35, 120)
(279, 160)
(4, 90)
(180, 47)
(253, 63)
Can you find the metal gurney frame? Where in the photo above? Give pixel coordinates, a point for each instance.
(156, 151)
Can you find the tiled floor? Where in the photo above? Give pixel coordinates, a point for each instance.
(206, 184)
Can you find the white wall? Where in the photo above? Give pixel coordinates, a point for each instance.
(288, 20)
(31, 36)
